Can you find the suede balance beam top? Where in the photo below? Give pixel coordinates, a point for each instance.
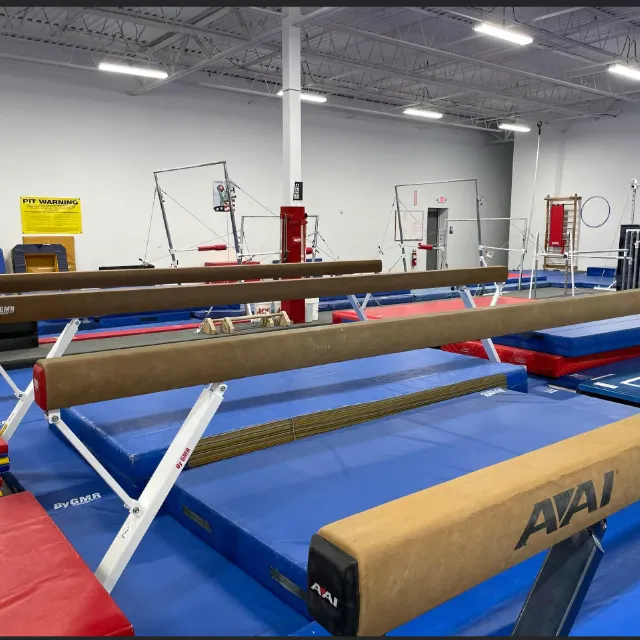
(87, 378)
(82, 304)
(61, 281)
(381, 568)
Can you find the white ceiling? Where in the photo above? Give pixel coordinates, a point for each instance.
(378, 60)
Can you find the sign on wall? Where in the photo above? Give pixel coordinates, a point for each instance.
(45, 215)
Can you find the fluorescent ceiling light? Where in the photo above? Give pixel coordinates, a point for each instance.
(503, 34)
(132, 71)
(435, 115)
(307, 97)
(624, 70)
(511, 126)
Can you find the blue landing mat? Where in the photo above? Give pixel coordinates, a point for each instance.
(22, 378)
(580, 339)
(261, 509)
(582, 280)
(343, 303)
(130, 435)
(176, 584)
(618, 381)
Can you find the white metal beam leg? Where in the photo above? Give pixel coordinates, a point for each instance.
(145, 509)
(470, 303)
(26, 399)
(7, 378)
(291, 108)
(353, 301)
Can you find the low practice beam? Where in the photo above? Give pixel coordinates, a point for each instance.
(87, 378)
(376, 570)
(31, 282)
(80, 304)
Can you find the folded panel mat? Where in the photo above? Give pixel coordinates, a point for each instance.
(419, 308)
(619, 381)
(175, 584)
(130, 435)
(582, 339)
(544, 364)
(261, 509)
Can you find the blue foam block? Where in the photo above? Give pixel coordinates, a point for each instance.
(3, 267)
(580, 339)
(343, 303)
(130, 435)
(263, 508)
(618, 381)
(175, 584)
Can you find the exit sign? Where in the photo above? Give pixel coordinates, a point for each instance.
(441, 199)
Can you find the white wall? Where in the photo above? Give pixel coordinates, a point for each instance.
(592, 159)
(69, 133)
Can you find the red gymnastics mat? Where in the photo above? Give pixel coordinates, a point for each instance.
(418, 308)
(544, 364)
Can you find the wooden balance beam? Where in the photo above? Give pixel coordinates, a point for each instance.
(32, 282)
(80, 304)
(87, 378)
(376, 570)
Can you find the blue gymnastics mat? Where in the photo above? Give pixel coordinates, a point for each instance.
(381, 301)
(619, 381)
(175, 584)
(261, 509)
(580, 339)
(130, 435)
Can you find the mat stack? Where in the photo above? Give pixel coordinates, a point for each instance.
(555, 353)
(270, 434)
(4, 459)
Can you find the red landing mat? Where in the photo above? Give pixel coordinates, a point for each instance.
(545, 364)
(45, 587)
(4, 448)
(418, 308)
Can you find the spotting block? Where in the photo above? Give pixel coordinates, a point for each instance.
(47, 589)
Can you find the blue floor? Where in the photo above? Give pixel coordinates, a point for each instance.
(130, 435)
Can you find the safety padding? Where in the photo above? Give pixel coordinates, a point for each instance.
(47, 589)
(4, 458)
(21, 251)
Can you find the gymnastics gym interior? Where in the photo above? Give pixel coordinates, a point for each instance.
(319, 321)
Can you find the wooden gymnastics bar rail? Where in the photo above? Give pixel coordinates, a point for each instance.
(87, 378)
(388, 565)
(32, 282)
(80, 304)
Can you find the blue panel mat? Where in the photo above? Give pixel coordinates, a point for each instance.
(617, 381)
(175, 584)
(263, 508)
(580, 339)
(130, 435)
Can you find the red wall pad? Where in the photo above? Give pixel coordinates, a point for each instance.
(556, 226)
(45, 587)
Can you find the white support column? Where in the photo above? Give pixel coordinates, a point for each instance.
(26, 399)
(291, 109)
(470, 303)
(152, 498)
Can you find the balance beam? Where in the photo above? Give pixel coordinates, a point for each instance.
(87, 378)
(81, 304)
(376, 570)
(32, 282)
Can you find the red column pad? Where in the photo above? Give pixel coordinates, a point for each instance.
(293, 235)
(47, 589)
(556, 226)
